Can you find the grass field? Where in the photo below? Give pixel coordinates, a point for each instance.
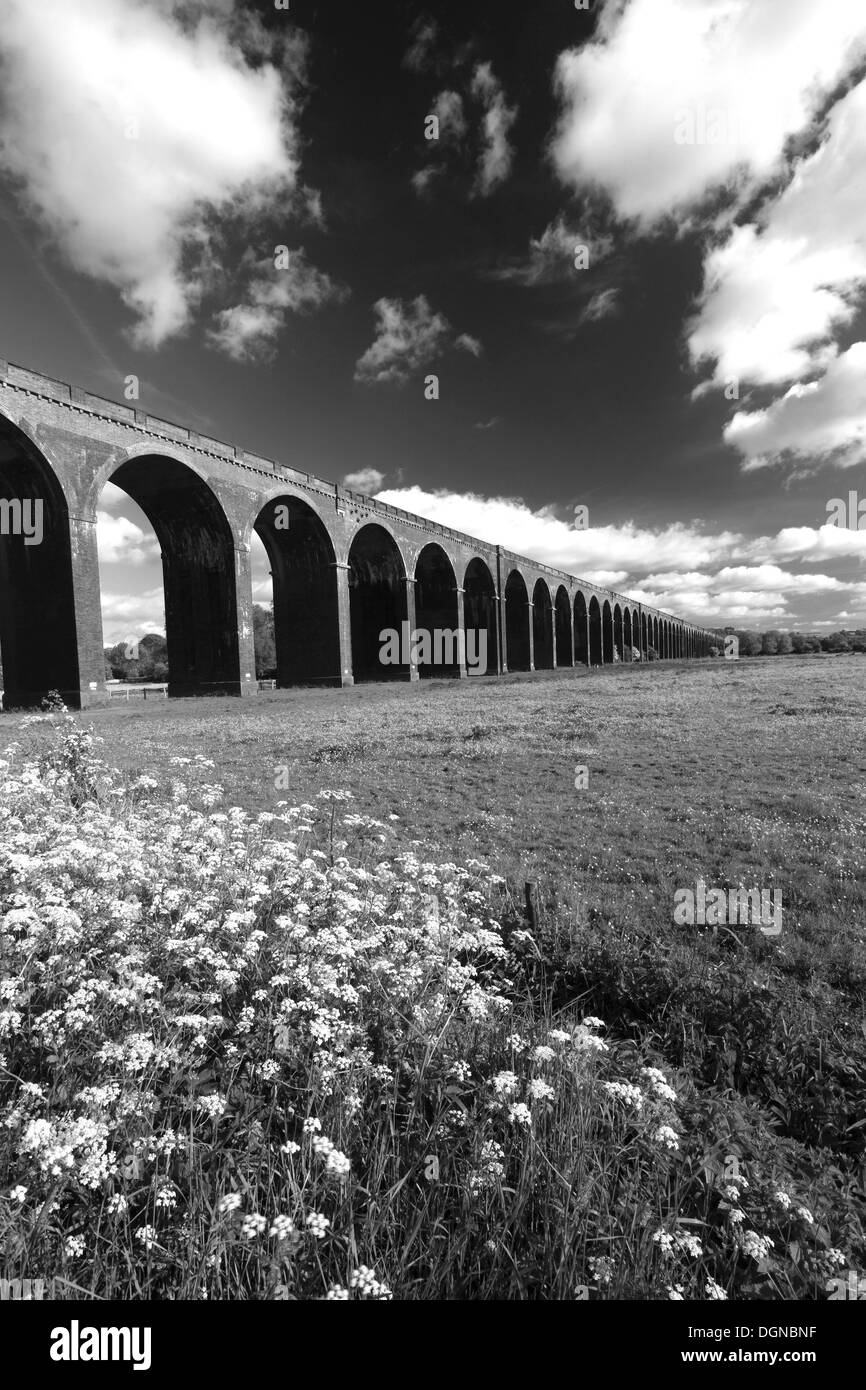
(749, 774)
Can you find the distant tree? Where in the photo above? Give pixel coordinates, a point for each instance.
(812, 641)
(785, 646)
(770, 643)
(750, 643)
(265, 642)
(836, 642)
(798, 643)
(858, 640)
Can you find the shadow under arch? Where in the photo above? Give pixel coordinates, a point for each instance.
(563, 631)
(377, 602)
(306, 604)
(542, 627)
(517, 622)
(581, 630)
(436, 609)
(479, 611)
(38, 636)
(607, 633)
(596, 645)
(198, 568)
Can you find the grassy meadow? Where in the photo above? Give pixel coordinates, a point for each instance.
(355, 994)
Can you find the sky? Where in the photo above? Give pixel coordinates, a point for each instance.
(628, 240)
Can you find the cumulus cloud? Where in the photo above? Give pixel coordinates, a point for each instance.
(132, 127)
(420, 53)
(366, 480)
(409, 336)
(120, 541)
(817, 420)
(552, 256)
(248, 331)
(494, 164)
(728, 74)
(125, 617)
(709, 577)
(494, 153)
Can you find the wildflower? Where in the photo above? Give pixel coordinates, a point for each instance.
(539, 1090)
(732, 1193)
(624, 1091)
(281, 1228)
(592, 1022)
(667, 1137)
(516, 1042)
(117, 1204)
(603, 1268)
(676, 1292)
(659, 1083)
(805, 1215)
(317, 1225)
(543, 1054)
(290, 1147)
(505, 1083)
(714, 1290)
(338, 1164)
(212, 1105)
(520, 1115)
(253, 1225)
(783, 1200)
(270, 1069)
(736, 1217)
(147, 1236)
(558, 1035)
(19, 1193)
(166, 1197)
(756, 1246)
(73, 1247)
(312, 1125)
(664, 1241)
(459, 1071)
(230, 1202)
(337, 1294)
(364, 1280)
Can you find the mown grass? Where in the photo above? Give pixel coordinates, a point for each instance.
(750, 773)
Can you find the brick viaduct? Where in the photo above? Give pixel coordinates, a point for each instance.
(345, 568)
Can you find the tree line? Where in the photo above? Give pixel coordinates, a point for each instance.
(147, 660)
(775, 643)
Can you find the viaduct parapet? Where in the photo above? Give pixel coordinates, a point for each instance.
(344, 565)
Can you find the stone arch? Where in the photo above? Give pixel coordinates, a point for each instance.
(644, 639)
(596, 642)
(517, 623)
(564, 631)
(618, 652)
(306, 605)
(627, 634)
(542, 626)
(654, 623)
(377, 602)
(480, 610)
(607, 644)
(436, 611)
(198, 567)
(38, 634)
(581, 630)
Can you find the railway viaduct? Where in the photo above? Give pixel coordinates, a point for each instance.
(344, 566)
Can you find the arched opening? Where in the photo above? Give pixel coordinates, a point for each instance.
(38, 640)
(198, 571)
(644, 640)
(581, 630)
(563, 628)
(436, 613)
(306, 612)
(654, 623)
(517, 622)
(596, 645)
(627, 636)
(542, 627)
(607, 633)
(618, 654)
(377, 603)
(479, 613)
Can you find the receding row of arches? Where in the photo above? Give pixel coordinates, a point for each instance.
(311, 597)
